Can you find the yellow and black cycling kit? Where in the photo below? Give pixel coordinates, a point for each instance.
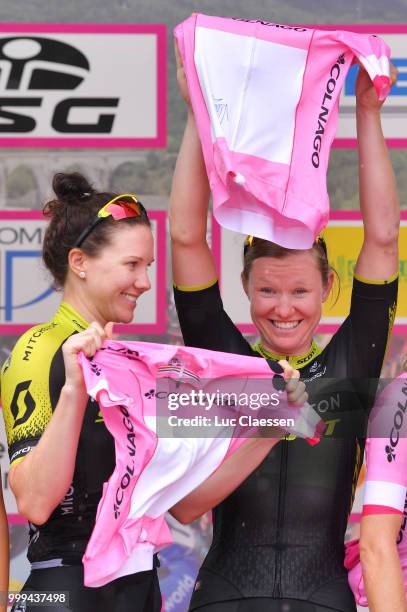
(280, 535)
(31, 382)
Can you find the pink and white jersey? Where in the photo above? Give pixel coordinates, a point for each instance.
(153, 473)
(265, 97)
(386, 478)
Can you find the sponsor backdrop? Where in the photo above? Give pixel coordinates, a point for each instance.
(79, 85)
(53, 86)
(102, 89)
(26, 293)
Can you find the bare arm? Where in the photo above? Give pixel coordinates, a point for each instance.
(225, 480)
(4, 553)
(43, 477)
(378, 259)
(192, 260)
(381, 563)
(237, 467)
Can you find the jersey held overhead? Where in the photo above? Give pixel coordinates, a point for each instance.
(265, 98)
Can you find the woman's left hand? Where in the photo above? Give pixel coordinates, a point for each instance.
(366, 96)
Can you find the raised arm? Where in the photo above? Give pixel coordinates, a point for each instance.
(233, 471)
(378, 259)
(192, 260)
(238, 466)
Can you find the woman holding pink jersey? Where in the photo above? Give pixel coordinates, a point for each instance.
(98, 247)
(278, 541)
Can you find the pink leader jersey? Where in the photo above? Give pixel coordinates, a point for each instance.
(265, 98)
(386, 478)
(153, 473)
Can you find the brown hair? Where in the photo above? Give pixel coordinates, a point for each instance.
(71, 211)
(258, 247)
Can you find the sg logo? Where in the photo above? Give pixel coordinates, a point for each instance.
(33, 63)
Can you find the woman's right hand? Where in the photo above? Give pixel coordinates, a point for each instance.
(88, 341)
(295, 388)
(181, 78)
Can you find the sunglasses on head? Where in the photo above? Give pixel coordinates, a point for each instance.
(124, 206)
(249, 240)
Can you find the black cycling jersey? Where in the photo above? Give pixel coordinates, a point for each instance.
(31, 382)
(263, 604)
(281, 533)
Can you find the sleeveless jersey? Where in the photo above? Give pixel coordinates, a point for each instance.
(386, 477)
(156, 468)
(291, 544)
(265, 98)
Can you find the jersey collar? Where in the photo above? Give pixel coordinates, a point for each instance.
(68, 312)
(296, 361)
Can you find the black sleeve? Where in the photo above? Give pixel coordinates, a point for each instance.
(371, 317)
(205, 324)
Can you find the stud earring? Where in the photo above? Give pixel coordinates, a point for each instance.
(82, 274)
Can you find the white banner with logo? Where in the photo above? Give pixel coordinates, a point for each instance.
(26, 293)
(82, 85)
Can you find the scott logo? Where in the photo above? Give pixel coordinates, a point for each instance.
(23, 404)
(41, 64)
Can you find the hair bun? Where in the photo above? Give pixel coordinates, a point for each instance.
(71, 186)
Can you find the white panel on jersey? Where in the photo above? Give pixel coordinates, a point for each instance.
(391, 494)
(261, 125)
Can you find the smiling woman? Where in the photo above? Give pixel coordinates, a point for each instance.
(279, 536)
(98, 247)
(285, 303)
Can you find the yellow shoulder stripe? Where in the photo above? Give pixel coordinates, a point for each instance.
(197, 287)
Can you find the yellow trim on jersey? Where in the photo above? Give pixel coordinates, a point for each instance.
(68, 312)
(197, 288)
(296, 361)
(367, 281)
(17, 460)
(392, 316)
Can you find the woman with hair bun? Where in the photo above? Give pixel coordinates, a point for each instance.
(98, 247)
